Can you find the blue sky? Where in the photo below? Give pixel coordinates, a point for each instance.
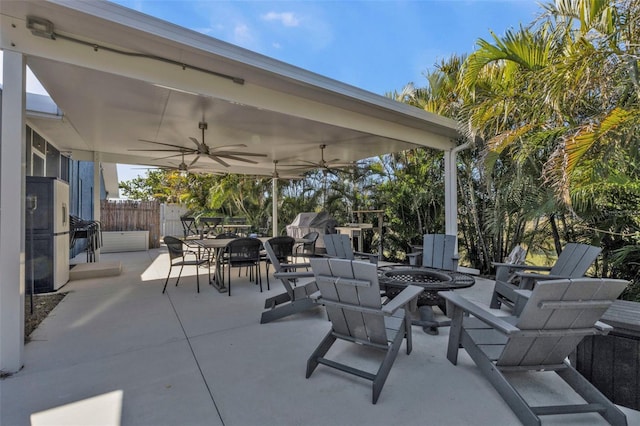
(378, 46)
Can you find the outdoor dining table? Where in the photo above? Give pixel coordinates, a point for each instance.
(394, 278)
(216, 246)
(239, 228)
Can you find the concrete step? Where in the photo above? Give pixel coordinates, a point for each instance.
(82, 271)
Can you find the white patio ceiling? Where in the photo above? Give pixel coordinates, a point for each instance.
(110, 100)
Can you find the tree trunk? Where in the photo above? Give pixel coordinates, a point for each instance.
(556, 234)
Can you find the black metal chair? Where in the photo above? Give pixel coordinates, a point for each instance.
(307, 248)
(209, 225)
(242, 252)
(282, 248)
(189, 226)
(177, 251)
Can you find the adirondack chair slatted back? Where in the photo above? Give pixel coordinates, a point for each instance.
(338, 245)
(575, 259)
(438, 251)
(354, 284)
(273, 258)
(517, 256)
(561, 313)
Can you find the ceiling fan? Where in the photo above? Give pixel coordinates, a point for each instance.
(218, 154)
(276, 173)
(324, 165)
(184, 168)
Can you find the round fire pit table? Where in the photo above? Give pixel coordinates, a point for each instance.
(394, 278)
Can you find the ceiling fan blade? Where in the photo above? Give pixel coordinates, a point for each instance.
(217, 148)
(194, 140)
(246, 154)
(164, 144)
(186, 151)
(194, 160)
(168, 156)
(306, 164)
(218, 160)
(333, 165)
(206, 171)
(233, 157)
(301, 168)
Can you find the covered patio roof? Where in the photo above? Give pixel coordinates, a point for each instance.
(119, 76)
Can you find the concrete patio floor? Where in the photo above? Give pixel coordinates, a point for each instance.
(116, 351)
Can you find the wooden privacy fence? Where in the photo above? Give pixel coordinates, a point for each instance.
(128, 215)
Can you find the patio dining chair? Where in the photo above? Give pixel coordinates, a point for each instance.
(573, 262)
(308, 247)
(178, 256)
(189, 226)
(557, 315)
(351, 294)
(282, 248)
(242, 253)
(296, 298)
(209, 225)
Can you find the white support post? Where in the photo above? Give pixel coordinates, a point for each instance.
(451, 190)
(274, 207)
(450, 193)
(97, 184)
(12, 210)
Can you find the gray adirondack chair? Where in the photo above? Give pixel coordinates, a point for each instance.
(339, 245)
(573, 262)
(557, 315)
(511, 263)
(296, 297)
(351, 294)
(438, 251)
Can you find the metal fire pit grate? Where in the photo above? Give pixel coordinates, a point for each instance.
(393, 279)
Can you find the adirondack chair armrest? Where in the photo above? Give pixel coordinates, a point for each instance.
(535, 276)
(522, 297)
(521, 267)
(487, 317)
(525, 294)
(409, 294)
(506, 265)
(373, 258)
(604, 328)
(527, 279)
(293, 275)
(295, 265)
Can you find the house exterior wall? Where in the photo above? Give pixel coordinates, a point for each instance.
(79, 175)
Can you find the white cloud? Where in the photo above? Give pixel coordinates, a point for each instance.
(288, 19)
(242, 35)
